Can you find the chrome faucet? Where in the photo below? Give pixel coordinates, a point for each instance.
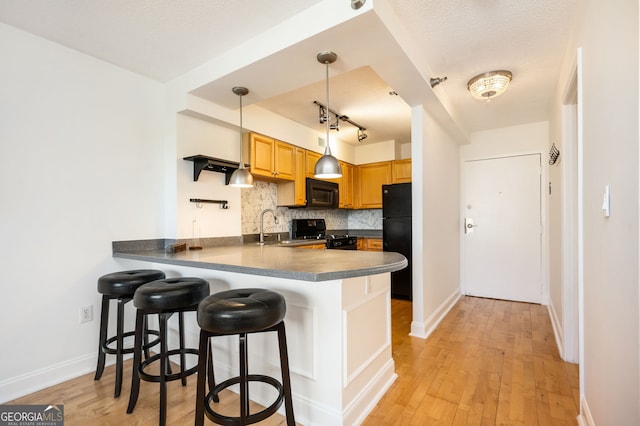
(275, 219)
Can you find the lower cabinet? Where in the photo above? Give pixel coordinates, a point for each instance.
(314, 246)
(370, 244)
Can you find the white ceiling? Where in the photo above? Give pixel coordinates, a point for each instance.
(163, 39)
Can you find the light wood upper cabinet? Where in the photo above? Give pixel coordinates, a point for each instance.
(271, 158)
(401, 171)
(368, 184)
(294, 193)
(312, 158)
(345, 184)
(285, 161)
(301, 178)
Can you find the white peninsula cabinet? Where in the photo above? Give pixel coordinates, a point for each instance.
(338, 322)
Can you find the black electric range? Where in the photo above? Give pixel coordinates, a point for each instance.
(316, 229)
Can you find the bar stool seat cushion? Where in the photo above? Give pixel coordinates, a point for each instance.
(170, 294)
(244, 310)
(125, 283)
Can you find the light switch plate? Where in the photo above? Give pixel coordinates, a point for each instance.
(606, 201)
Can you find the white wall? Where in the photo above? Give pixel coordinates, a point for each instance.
(194, 137)
(436, 224)
(610, 370)
(373, 153)
(81, 166)
(513, 140)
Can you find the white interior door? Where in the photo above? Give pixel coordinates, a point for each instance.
(502, 239)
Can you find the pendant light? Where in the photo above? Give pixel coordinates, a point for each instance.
(327, 166)
(241, 177)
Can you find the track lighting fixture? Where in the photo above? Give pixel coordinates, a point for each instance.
(435, 81)
(357, 4)
(361, 135)
(323, 113)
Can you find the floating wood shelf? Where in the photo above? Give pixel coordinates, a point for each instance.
(212, 164)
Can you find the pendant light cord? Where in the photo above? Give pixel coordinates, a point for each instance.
(241, 130)
(327, 150)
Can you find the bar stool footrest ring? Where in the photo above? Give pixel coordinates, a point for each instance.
(251, 418)
(171, 376)
(113, 351)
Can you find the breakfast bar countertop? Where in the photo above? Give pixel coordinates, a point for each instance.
(276, 260)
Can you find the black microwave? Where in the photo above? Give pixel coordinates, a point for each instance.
(322, 194)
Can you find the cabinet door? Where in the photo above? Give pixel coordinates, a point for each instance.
(293, 193)
(284, 161)
(300, 182)
(346, 186)
(374, 244)
(371, 178)
(261, 148)
(401, 171)
(311, 159)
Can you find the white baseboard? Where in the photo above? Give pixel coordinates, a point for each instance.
(424, 329)
(366, 401)
(585, 418)
(557, 329)
(16, 387)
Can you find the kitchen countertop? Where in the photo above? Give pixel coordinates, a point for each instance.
(276, 260)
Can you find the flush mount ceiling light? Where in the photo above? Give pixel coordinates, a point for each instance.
(489, 84)
(241, 177)
(327, 167)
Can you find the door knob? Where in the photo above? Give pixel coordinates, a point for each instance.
(468, 225)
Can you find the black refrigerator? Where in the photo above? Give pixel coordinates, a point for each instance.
(396, 233)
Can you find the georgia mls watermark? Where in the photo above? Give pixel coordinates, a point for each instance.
(32, 415)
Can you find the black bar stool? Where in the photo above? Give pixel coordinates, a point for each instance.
(120, 286)
(164, 297)
(241, 312)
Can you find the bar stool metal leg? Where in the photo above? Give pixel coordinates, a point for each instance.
(137, 359)
(119, 346)
(244, 381)
(104, 321)
(203, 357)
(286, 379)
(163, 369)
(183, 361)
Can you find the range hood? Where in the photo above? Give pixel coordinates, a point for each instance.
(212, 164)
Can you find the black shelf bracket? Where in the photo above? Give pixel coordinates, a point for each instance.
(212, 164)
(224, 204)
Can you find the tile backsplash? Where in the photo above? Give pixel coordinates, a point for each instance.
(263, 195)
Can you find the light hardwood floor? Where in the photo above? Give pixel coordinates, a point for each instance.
(490, 362)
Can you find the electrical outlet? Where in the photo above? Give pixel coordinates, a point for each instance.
(86, 314)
